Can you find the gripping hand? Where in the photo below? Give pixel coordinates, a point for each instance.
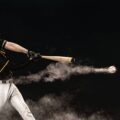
(33, 55)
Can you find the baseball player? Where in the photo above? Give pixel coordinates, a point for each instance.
(8, 90)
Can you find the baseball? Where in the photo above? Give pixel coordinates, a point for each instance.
(112, 69)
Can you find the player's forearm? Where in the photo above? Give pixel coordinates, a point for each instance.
(15, 47)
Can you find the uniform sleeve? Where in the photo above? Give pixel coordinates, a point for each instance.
(2, 43)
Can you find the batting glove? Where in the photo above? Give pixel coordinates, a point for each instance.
(33, 55)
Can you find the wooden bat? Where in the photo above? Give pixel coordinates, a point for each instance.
(61, 59)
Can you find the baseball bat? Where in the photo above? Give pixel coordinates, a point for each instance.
(61, 59)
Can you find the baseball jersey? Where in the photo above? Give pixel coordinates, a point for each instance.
(4, 62)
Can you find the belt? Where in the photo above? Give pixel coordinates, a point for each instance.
(6, 81)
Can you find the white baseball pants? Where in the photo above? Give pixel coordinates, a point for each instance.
(9, 92)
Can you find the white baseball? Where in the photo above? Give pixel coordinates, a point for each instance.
(112, 69)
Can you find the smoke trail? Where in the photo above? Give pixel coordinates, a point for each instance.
(8, 113)
(62, 72)
(51, 107)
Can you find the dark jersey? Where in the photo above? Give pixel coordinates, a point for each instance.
(4, 62)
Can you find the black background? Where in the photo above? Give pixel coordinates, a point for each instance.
(85, 28)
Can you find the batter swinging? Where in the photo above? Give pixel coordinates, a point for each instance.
(8, 91)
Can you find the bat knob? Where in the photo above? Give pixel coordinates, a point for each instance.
(112, 69)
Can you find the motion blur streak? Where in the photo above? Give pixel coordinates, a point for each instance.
(62, 72)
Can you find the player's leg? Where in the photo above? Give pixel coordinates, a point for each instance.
(19, 104)
(4, 88)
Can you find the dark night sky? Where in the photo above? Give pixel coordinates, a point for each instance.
(88, 28)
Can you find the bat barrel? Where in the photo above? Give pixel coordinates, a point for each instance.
(61, 59)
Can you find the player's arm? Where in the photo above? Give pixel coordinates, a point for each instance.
(14, 47)
(18, 48)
